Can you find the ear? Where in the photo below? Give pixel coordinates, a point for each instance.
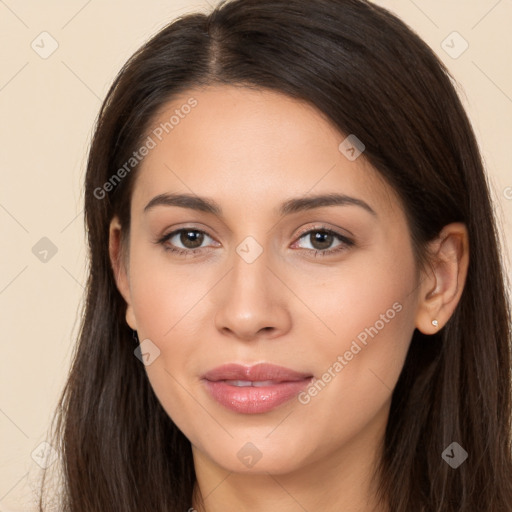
(119, 267)
(443, 282)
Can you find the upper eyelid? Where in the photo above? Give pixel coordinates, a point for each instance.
(335, 231)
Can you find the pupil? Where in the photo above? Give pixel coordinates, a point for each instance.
(325, 239)
(197, 239)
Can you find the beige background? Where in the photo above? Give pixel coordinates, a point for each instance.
(48, 107)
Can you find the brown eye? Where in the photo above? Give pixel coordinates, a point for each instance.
(321, 241)
(191, 239)
(185, 240)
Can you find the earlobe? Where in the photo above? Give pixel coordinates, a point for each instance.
(442, 286)
(118, 263)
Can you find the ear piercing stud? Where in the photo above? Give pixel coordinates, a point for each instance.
(435, 323)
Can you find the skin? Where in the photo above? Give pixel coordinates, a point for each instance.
(250, 151)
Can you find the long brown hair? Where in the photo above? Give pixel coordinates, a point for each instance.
(370, 75)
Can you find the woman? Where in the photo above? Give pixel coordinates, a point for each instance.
(295, 298)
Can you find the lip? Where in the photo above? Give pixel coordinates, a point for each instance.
(280, 385)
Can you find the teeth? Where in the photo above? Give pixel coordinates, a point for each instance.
(260, 383)
(245, 383)
(239, 383)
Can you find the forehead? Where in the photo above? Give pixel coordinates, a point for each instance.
(253, 147)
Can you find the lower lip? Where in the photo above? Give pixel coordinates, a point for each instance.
(254, 400)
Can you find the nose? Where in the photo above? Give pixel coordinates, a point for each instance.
(251, 302)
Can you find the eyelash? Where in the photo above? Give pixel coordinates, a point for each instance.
(344, 245)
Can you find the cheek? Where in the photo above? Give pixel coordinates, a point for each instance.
(360, 370)
(372, 336)
(167, 301)
(164, 295)
(370, 311)
(368, 297)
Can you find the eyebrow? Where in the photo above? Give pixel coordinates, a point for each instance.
(292, 205)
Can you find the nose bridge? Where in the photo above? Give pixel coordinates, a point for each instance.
(249, 276)
(251, 299)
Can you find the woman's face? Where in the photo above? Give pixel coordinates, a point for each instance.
(325, 289)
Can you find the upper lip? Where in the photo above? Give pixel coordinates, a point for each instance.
(257, 372)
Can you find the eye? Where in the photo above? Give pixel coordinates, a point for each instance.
(191, 240)
(321, 240)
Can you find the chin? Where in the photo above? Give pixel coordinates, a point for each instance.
(259, 454)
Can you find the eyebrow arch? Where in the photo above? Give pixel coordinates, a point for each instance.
(293, 205)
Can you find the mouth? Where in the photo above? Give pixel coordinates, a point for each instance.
(254, 389)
